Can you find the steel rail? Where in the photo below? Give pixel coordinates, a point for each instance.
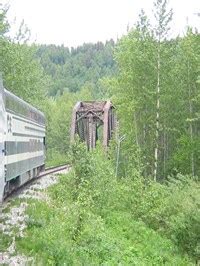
(52, 170)
(46, 172)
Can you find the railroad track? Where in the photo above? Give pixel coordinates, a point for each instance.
(46, 172)
(54, 169)
(13, 217)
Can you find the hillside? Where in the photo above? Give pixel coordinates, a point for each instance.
(71, 69)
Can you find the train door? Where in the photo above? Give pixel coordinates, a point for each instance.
(2, 130)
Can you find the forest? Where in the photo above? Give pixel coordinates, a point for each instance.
(146, 213)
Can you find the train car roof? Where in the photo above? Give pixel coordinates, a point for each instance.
(23, 102)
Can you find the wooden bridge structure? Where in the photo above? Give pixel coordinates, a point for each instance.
(92, 121)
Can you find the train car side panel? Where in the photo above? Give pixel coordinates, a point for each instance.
(25, 137)
(2, 149)
(24, 146)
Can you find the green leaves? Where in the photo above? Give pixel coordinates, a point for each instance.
(93, 218)
(156, 95)
(4, 25)
(21, 73)
(163, 18)
(78, 68)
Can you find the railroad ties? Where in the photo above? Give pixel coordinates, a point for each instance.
(92, 121)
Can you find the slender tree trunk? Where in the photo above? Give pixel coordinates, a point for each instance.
(144, 146)
(192, 153)
(136, 130)
(144, 135)
(157, 115)
(164, 152)
(191, 127)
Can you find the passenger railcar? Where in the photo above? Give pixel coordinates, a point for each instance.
(22, 142)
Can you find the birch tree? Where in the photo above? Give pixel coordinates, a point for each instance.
(163, 18)
(134, 94)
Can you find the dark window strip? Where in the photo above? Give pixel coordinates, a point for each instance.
(17, 105)
(34, 129)
(22, 118)
(26, 135)
(12, 147)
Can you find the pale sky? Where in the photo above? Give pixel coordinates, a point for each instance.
(73, 22)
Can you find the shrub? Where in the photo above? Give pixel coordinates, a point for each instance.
(94, 218)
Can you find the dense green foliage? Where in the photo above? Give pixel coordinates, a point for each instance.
(94, 218)
(21, 72)
(70, 70)
(173, 128)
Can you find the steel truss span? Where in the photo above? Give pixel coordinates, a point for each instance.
(93, 121)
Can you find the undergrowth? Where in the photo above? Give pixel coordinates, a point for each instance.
(4, 241)
(54, 158)
(94, 218)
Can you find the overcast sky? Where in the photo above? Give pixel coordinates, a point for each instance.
(73, 22)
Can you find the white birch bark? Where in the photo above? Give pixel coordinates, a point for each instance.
(157, 115)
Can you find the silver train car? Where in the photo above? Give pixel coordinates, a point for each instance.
(22, 142)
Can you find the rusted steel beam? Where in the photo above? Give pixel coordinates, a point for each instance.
(73, 124)
(105, 123)
(88, 116)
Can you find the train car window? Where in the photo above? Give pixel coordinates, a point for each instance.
(20, 107)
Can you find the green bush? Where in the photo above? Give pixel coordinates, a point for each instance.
(55, 158)
(171, 209)
(94, 218)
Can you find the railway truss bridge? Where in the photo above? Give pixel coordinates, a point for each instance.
(92, 121)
